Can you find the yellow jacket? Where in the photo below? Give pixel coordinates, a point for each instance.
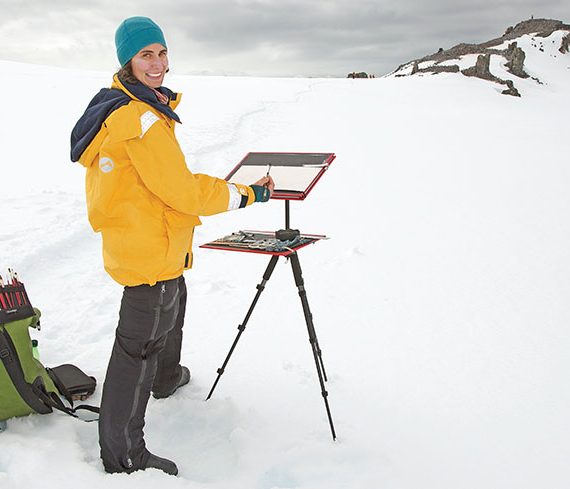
(143, 198)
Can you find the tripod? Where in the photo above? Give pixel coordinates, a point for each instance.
(317, 354)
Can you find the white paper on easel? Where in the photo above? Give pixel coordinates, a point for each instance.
(291, 172)
(286, 178)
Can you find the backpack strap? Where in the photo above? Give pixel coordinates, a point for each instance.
(53, 400)
(28, 392)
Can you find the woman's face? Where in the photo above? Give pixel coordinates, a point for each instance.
(150, 64)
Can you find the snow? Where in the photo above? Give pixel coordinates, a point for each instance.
(440, 301)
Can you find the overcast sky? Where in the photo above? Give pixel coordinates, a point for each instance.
(262, 37)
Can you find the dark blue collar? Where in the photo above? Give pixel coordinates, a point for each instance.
(105, 103)
(146, 95)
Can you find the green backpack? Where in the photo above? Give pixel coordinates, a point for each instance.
(24, 381)
(26, 386)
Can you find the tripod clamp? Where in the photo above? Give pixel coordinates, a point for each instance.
(287, 234)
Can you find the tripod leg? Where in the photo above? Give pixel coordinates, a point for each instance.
(296, 266)
(308, 316)
(241, 327)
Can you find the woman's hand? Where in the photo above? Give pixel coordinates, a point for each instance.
(268, 183)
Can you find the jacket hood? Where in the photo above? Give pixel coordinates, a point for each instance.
(110, 99)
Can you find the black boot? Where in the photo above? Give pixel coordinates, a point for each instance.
(184, 379)
(163, 464)
(152, 462)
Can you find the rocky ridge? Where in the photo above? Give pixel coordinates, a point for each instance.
(514, 56)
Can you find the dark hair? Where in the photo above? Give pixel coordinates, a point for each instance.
(125, 74)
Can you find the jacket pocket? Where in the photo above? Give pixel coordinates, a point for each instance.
(180, 231)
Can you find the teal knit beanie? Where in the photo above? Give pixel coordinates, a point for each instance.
(134, 34)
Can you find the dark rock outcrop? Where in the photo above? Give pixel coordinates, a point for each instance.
(362, 74)
(511, 90)
(515, 63)
(540, 27)
(444, 69)
(481, 68)
(435, 69)
(565, 44)
(513, 55)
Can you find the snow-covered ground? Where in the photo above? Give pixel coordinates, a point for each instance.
(440, 301)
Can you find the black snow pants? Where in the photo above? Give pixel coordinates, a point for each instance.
(145, 357)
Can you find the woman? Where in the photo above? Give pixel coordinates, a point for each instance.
(145, 203)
